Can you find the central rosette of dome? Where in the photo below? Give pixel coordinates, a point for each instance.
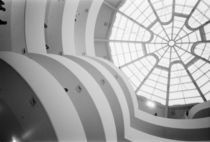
(171, 43)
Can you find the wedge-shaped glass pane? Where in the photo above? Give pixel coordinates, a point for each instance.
(163, 8)
(184, 6)
(181, 85)
(200, 71)
(140, 10)
(137, 70)
(203, 50)
(127, 30)
(201, 14)
(155, 85)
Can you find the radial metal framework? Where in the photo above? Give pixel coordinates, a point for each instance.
(163, 46)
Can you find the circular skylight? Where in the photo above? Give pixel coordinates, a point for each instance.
(163, 47)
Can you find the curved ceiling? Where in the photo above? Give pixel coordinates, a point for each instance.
(163, 47)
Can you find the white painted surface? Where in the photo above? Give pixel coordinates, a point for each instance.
(118, 92)
(90, 26)
(54, 99)
(17, 17)
(34, 25)
(96, 94)
(80, 26)
(68, 26)
(53, 20)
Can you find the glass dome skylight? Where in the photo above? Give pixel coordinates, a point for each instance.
(163, 47)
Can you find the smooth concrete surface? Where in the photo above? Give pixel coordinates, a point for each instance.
(17, 24)
(53, 26)
(34, 25)
(89, 101)
(68, 26)
(111, 89)
(52, 96)
(90, 27)
(80, 25)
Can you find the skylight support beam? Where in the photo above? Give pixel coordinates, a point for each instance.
(144, 49)
(168, 86)
(202, 33)
(191, 12)
(146, 77)
(180, 15)
(173, 11)
(162, 68)
(191, 62)
(118, 11)
(192, 79)
(196, 85)
(136, 22)
(162, 23)
(139, 59)
(122, 41)
(194, 55)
